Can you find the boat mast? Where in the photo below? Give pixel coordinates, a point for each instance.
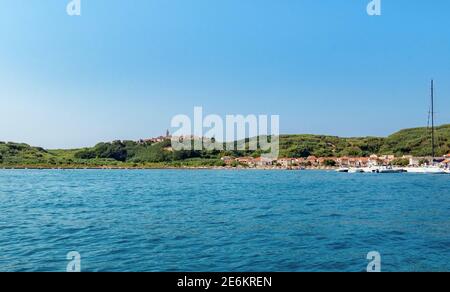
(433, 151)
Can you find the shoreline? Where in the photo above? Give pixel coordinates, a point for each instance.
(159, 167)
(21, 167)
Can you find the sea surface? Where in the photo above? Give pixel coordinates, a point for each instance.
(213, 220)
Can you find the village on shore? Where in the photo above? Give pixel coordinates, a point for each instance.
(309, 163)
(373, 163)
(313, 162)
(324, 163)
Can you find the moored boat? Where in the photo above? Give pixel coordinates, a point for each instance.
(426, 170)
(433, 168)
(388, 169)
(382, 169)
(370, 169)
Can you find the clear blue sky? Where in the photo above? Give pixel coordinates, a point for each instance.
(124, 68)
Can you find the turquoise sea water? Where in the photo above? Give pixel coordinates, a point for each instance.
(176, 220)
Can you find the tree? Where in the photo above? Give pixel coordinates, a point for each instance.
(401, 162)
(353, 151)
(329, 162)
(301, 151)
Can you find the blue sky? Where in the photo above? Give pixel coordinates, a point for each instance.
(124, 68)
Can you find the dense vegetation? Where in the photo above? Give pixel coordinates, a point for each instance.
(132, 154)
(328, 146)
(417, 142)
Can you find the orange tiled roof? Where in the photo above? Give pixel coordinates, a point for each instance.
(244, 158)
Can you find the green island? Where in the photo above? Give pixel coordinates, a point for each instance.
(145, 154)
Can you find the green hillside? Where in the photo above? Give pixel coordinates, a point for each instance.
(15, 153)
(417, 142)
(328, 146)
(129, 153)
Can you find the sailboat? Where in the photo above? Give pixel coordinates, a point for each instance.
(433, 168)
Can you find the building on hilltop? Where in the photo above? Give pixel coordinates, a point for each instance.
(156, 139)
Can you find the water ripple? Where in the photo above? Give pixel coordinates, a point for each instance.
(175, 220)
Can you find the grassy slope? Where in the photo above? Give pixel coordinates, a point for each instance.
(417, 142)
(326, 146)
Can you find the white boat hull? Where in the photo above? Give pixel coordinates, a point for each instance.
(426, 170)
(370, 170)
(382, 170)
(356, 170)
